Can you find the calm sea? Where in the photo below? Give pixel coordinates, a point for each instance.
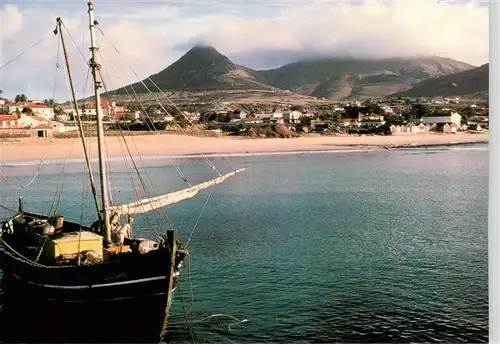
(366, 246)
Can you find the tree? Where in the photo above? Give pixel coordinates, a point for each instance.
(49, 102)
(60, 112)
(21, 98)
(337, 117)
(372, 108)
(440, 113)
(324, 116)
(208, 116)
(132, 107)
(416, 112)
(420, 109)
(305, 120)
(394, 119)
(352, 112)
(469, 112)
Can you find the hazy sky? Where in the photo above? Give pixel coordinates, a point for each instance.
(259, 34)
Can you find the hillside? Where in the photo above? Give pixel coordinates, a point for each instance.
(474, 81)
(349, 78)
(202, 68)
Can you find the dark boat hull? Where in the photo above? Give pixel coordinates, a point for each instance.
(32, 319)
(122, 300)
(127, 278)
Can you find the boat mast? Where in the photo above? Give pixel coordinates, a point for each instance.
(100, 129)
(80, 127)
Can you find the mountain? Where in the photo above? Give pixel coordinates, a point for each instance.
(202, 68)
(349, 78)
(204, 72)
(458, 84)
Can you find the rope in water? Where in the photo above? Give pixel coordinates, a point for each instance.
(238, 321)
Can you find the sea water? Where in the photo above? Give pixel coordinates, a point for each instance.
(343, 246)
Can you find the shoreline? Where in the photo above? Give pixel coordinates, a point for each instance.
(181, 146)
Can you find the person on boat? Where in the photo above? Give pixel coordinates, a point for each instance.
(114, 221)
(119, 232)
(98, 225)
(123, 232)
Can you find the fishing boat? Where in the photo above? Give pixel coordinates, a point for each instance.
(91, 282)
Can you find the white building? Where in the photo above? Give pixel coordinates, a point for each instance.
(37, 108)
(371, 121)
(8, 121)
(128, 115)
(169, 118)
(27, 121)
(277, 115)
(292, 117)
(109, 109)
(453, 117)
(387, 109)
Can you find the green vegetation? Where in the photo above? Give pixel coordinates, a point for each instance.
(326, 73)
(204, 69)
(463, 83)
(21, 98)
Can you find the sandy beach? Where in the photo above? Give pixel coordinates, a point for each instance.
(19, 150)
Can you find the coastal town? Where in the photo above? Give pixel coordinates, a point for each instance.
(22, 117)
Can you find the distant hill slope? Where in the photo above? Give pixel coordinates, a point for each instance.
(458, 84)
(346, 78)
(202, 68)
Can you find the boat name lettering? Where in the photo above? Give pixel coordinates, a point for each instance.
(115, 276)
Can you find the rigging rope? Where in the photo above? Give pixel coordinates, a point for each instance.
(199, 216)
(76, 45)
(54, 209)
(37, 172)
(141, 179)
(7, 208)
(164, 109)
(186, 317)
(69, 34)
(55, 77)
(21, 54)
(4, 177)
(177, 168)
(154, 96)
(238, 321)
(185, 179)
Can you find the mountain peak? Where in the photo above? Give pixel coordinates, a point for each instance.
(202, 45)
(204, 68)
(204, 49)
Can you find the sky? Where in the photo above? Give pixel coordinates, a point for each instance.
(259, 34)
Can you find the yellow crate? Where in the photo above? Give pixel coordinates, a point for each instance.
(72, 243)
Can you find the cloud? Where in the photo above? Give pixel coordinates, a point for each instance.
(11, 21)
(401, 28)
(258, 34)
